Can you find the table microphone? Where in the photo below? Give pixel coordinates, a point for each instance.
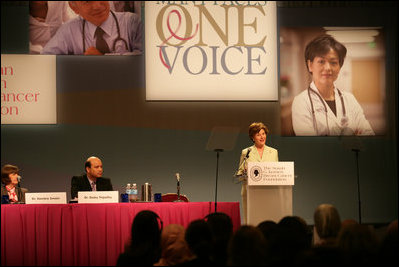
(19, 180)
(178, 187)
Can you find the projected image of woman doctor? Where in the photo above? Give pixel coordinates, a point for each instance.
(324, 109)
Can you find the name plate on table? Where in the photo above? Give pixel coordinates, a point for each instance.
(46, 198)
(271, 173)
(98, 197)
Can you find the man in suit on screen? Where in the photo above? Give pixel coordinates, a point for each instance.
(97, 30)
(92, 180)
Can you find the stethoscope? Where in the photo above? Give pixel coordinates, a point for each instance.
(344, 119)
(119, 38)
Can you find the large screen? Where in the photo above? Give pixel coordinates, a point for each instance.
(332, 81)
(209, 51)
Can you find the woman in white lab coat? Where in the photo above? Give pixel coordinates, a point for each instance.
(323, 109)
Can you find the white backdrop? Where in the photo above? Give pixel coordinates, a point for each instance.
(28, 89)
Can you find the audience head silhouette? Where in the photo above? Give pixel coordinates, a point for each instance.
(327, 224)
(247, 247)
(173, 245)
(222, 229)
(199, 239)
(144, 248)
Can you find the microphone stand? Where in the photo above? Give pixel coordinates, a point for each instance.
(358, 182)
(217, 175)
(178, 188)
(19, 181)
(178, 191)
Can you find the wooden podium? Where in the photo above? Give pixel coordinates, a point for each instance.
(269, 191)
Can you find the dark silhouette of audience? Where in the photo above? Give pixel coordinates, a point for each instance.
(323, 250)
(199, 239)
(388, 250)
(359, 244)
(211, 241)
(288, 241)
(247, 247)
(321, 256)
(174, 246)
(144, 247)
(267, 228)
(222, 229)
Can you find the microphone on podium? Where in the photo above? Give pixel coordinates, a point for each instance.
(247, 155)
(242, 176)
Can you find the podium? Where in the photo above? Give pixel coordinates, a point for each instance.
(269, 191)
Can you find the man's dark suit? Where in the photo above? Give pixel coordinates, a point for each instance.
(81, 183)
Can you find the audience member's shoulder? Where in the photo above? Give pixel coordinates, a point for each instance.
(197, 262)
(124, 259)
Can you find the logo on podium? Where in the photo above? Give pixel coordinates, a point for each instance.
(255, 173)
(271, 173)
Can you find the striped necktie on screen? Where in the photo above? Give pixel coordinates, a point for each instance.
(101, 44)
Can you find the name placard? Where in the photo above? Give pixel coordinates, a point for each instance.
(46, 198)
(271, 173)
(98, 197)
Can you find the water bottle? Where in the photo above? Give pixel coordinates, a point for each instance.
(133, 197)
(125, 196)
(128, 189)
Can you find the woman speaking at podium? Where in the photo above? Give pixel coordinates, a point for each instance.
(259, 152)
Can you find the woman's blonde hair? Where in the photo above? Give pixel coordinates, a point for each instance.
(327, 221)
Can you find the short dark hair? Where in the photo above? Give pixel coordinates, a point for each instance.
(321, 45)
(255, 128)
(87, 164)
(145, 243)
(6, 170)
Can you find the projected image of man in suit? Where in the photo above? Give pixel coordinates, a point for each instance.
(92, 180)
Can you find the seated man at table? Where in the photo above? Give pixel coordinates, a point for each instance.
(92, 180)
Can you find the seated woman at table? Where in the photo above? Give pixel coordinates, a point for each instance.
(10, 184)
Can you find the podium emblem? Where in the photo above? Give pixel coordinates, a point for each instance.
(255, 173)
(271, 173)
